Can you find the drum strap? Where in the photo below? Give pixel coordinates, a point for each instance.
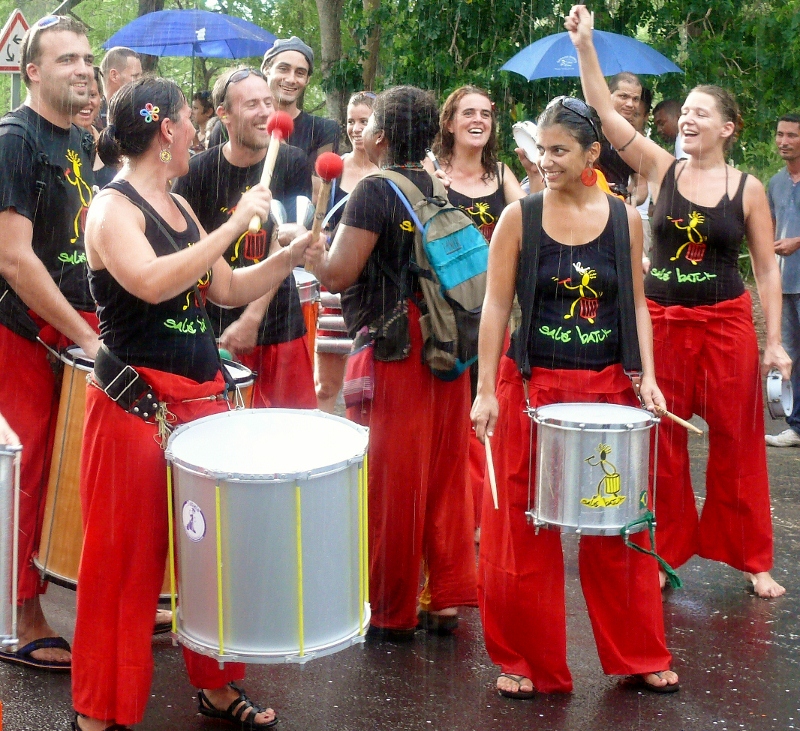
(123, 385)
(532, 208)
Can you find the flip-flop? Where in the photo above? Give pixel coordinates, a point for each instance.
(640, 682)
(160, 628)
(439, 624)
(24, 656)
(520, 695)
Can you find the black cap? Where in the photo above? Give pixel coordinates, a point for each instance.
(290, 44)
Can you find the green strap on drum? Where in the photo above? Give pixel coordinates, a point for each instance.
(649, 519)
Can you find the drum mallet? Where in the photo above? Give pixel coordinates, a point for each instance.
(329, 166)
(490, 469)
(677, 419)
(280, 125)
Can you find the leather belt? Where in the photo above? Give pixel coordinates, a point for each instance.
(123, 385)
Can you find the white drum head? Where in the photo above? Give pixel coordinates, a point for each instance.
(525, 137)
(267, 444)
(593, 416)
(75, 356)
(240, 375)
(780, 398)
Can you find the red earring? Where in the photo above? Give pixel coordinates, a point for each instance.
(588, 176)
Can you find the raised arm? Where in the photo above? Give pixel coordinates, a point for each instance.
(642, 154)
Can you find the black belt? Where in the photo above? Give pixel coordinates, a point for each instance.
(123, 385)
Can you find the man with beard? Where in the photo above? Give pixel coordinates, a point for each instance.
(267, 335)
(45, 304)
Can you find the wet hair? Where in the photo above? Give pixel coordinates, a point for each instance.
(128, 132)
(668, 106)
(578, 127)
(793, 118)
(116, 58)
(31, 48)
(622, 76)
(409, 119)
(727, 107)
(365, 98)
(98, 77)
(647, 98)
(204, 97)
(444, 144)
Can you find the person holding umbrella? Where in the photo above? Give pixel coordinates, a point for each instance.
(706, 352)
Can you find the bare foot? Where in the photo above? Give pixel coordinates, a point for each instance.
(514, 686)
(221, 698)
(764, 585)
(448, 612)
(662, 578)
(31, 625)
(659, 681)
(163, 616)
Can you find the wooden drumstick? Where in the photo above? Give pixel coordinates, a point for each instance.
(490, 468)
(280, 125)
(678, 420)
(329, 166)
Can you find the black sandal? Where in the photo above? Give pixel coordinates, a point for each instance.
(235, 712)
(113, 727)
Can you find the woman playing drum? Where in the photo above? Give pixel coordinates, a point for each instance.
(158, 366)
(419, 507)
(706, 353)
(573, 354)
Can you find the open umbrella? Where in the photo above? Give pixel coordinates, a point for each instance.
(192, 33)
(555, 56)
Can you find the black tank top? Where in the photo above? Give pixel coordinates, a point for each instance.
(696, 248)
(170, 336)
(576, 313)
(485, 210)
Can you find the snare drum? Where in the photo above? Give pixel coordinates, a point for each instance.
(592, 467)
(9, 531)
(243, 379)
(271, 535)
(780, 398)
(308, 291)
(60, 546)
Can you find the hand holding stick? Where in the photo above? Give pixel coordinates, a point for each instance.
(280, 125)
(329, 166)
(678, 420)
(490, 470)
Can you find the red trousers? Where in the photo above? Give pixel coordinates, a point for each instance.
(29, 394)
(477, 473)
(420, 507)
(285, 378)
(124, 505)
(521, 573)
(707, 363)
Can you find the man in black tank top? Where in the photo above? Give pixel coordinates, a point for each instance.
(626, 93)
(44, 194)
(267, 335)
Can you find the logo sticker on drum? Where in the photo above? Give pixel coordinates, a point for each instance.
(194, 523)
(607, 495)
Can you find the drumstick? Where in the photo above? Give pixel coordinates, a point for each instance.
(432, 158)
(329, 166)
(678, 420)
(280, 125)
(490, 468)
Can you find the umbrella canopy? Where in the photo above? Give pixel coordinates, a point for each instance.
(556, 56)
(192, 33)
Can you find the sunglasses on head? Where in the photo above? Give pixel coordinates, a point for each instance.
(576, 106)
(238, 76)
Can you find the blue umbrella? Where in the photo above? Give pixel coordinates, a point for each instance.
(192, 33)
(555, 56)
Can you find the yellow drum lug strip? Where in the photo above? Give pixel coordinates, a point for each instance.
(360, 550)
(366, 528)
(299, 534)
(220, 617)
(171, 548)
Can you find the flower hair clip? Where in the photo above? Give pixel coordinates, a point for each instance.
(150, 113)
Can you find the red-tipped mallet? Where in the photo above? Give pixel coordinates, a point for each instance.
(280, 125)
(329, 166)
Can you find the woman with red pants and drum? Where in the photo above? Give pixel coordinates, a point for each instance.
(158, 367)
(419, 506)
(706, 352)
(569, 251)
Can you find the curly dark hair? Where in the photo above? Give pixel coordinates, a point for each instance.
(409, 119)
(444, 143)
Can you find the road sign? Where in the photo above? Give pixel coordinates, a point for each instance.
(11, 41)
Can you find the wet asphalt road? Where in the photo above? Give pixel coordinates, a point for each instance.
(737, 657)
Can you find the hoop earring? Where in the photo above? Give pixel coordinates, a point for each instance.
(165, 155)
(588, 176)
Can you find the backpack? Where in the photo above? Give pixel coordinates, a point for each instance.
(450, 259)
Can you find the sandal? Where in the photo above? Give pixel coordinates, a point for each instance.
(437, 624)
(520, 695)
(236, 711)
(642, 684)
(113, 727)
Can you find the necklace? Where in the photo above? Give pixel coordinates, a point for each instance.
(405, 166)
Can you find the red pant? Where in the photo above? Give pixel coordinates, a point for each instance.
(124, 504)
(521, 573)
(29, 393)
(707, 363)
(419, 502)
(285, 377)
(477, 473)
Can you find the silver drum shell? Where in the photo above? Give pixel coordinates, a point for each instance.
(8, 535)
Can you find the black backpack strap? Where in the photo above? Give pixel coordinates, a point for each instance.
(532, 207)
(629, 338)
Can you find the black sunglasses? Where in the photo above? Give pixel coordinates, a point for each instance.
(238, 76)
(576, 106)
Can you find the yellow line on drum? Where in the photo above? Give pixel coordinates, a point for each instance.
(299, 534)
(365, 528)
(171, 524)
(361, 566)
(220, 617)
